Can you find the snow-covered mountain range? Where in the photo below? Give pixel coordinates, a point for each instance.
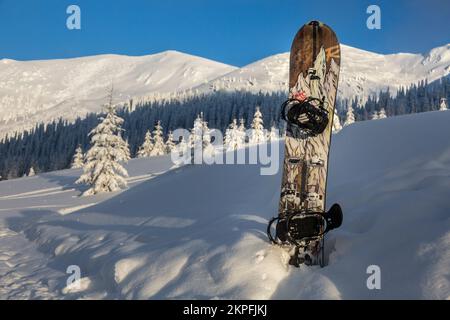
(35, 91)
(362, 72)
(39, 91)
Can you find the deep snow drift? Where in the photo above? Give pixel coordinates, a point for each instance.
(198, 231)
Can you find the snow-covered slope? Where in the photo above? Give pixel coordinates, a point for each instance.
(362, 72)
(199, 231)
(38, 91)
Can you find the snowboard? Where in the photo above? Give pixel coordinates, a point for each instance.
(302, 221)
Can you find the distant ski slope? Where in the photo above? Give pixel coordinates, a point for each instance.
(199, 231)
(39, 91)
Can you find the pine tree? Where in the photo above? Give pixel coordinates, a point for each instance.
(182, 147)
(233, 138)
(102, 170)
(147, 146)
(170, 144)
(241, 131)
(159, 147)
(336, 123)
(273, 134)
(31, 172)
(208, 148)
(257, 134)
(443, 105)
(350, 116)
(196, 136)
(78, 158)
(382, 114)
(374, 115)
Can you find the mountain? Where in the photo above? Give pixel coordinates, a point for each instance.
(199, 231)
(39, 91)
(362, 72)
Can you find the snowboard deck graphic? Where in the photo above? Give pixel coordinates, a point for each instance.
(313, 72)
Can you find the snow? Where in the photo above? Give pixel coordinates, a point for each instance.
(198, 231)
(49, 89)
(362, 72)
(68, 88)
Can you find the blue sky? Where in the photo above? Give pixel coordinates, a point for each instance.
(232, 31)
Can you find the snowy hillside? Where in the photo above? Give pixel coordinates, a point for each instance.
(39, 91)
(362, 72)
(199, 231)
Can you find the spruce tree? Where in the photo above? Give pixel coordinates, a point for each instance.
(31, 172)
(257, 134)
(382, 114)
(336, 123)
(159, 147)
(147, 146)
(443, 105)
(208, 148)
(103, 171)
(78, 158)
(374, 115)
(273, 134)
(232, 139)
(196, 136)
(170, 144)
(242, 134)
(350, 116)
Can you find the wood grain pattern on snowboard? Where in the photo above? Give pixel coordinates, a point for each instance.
(318, 49)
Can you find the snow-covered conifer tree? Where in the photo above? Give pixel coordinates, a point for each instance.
(274, 133)
(241, 131)
(147, 146)
(159, 147)
(78, 158)
(374, 115)
(182, 147)
(208, 148)
(257, 134)
(103, 170)
(170, 144)
(350, 117)
(196, 136)
(233, 138)
(336, 123)
(31, 172)
(443, 105)
(382, 114)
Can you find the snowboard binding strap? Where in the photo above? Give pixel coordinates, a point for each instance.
(296, 227)
(309, 118)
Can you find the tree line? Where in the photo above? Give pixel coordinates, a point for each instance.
(51, 146)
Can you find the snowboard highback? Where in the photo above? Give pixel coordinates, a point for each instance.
(313, 80)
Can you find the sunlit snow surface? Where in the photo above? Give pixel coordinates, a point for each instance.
(199, 231)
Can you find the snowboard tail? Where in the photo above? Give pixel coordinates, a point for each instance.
(309, 111)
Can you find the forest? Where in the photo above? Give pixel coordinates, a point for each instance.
(51, 146)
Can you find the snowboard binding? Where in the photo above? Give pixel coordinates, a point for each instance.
(301, 229)
(309, 115)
